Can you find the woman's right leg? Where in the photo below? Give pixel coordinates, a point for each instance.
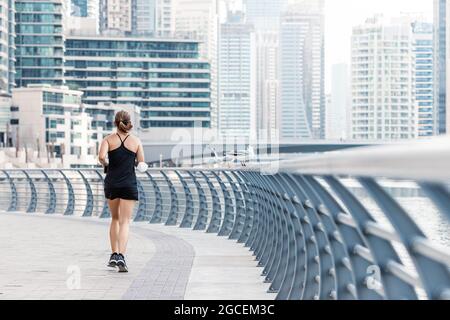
(114, 228)
(126, 211)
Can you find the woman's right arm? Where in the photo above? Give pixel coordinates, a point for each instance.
(103, 152)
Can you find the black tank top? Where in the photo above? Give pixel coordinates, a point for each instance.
(121, 172)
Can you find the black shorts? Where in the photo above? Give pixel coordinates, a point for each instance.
(122, 193)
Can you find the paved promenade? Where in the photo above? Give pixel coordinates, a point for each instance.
(57, 257)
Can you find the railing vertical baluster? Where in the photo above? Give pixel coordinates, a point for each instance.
(228, 218)
(157, 212)
(216, 214)
(188, 217)
(142, 203)
(202, 217)
(172, 218)
(106, 213)
(33, 197)
(14, 196)
(52, 194)
(241, 207)
(250, 210)
(89, 196)
(70, 195)
(256, 209)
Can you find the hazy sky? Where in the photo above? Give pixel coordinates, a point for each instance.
(342, 15)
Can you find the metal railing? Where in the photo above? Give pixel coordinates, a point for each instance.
(328, 226)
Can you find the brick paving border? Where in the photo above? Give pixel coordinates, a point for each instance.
(166, 274)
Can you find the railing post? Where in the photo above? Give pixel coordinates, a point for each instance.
(142, 204)
(173, 213)
(13, 204)
(188, 217)
(216, 215)
(157, 213)
(52, 194)
(250, 211)
(89, 196)
(228, 217)
(202, 217)
(241, 212)
(257, 206)
(70, 195)
(33, 198)
(106, 213)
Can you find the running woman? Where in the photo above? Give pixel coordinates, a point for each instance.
(119, 153)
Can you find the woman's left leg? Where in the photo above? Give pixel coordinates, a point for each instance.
(125, 212)
(114, 227)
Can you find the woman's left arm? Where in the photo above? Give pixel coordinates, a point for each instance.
(140, 153)
(141, 165)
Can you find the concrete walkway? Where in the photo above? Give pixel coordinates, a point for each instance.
(57, 257)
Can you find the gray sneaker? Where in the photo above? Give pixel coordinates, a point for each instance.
(121, 263)
(113, 260)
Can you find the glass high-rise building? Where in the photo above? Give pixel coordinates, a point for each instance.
(40, 41)
(441, 11)
(144, 17)
(264, 13)
(383, 80)
(85, 8)
(302, 65)
(165, 78)
(79, 8)
(7, 68)
(237, 92)
(116, 15)
(423, 48)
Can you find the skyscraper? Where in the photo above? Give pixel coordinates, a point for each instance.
(85, 8)
(164, 18)
(383, 80)
(79, 8)
(337, 111)
(264, 14)
(40, 41)
(441, 27)
(144, 17)
(116, 15)
(302, 85)
(199, 20)
(236, 78)
(267, 84)
(265, 17)
(423, 49)
(7, 69)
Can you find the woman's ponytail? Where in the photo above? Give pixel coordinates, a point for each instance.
(123, 121)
